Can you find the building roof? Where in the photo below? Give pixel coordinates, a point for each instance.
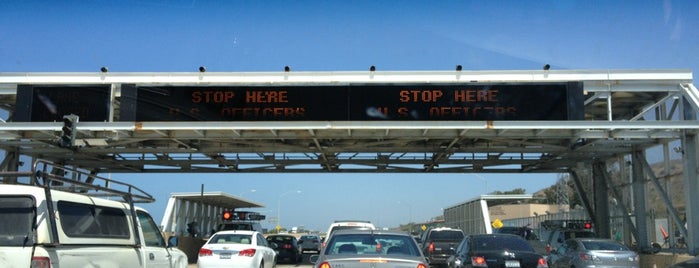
(219, 199)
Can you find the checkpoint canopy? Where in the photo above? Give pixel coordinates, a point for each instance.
(203, 208)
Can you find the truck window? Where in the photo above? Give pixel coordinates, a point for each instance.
(151, 233)
(84, 220)
(16, 220)
(446, 235)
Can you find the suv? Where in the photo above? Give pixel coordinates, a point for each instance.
(310, 243)
(439, 243)
(240, 225)
(345, 224)
(51, 217)
(241, 220)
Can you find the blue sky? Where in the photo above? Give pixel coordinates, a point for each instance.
(181, 35)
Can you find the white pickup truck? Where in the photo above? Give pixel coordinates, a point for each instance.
(57, 216)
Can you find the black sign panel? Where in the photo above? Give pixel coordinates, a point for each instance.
(49, 103)
(547, 101)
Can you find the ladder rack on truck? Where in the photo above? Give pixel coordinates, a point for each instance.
(72, 179)
(51, 176)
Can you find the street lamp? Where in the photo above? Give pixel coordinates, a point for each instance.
(279, 205)
(484, 180)
(410, 214)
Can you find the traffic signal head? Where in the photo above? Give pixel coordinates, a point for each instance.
(69, 131)
(227, 215)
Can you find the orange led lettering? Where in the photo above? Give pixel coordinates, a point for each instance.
(266, 96)
(209, 96)
(420, 95)
(475, 95)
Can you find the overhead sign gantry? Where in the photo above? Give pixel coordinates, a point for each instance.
(528, 121)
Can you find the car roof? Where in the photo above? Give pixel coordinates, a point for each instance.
(443, 229)
(237, 232)
(286, 235)
(366, 231)
(495, 235)
(593, 239)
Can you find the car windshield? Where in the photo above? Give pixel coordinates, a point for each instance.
(569, 235)
(485, 243)
(447, 235)
(16, 217)
(280, 239)
(235, 226)
(604, 245)
(365, 244)
(230, 239)
(309, 238)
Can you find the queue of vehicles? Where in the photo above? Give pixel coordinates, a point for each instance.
(52, 218)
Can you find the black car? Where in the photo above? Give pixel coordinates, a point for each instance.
(495, 250)
(287, 248)
(439, 243)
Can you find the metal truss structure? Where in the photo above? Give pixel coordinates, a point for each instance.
(625, 112)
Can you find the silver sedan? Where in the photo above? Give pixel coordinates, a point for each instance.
(370, 248)
(594, 252)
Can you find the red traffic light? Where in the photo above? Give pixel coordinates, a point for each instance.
(588, 225)
(227, 215)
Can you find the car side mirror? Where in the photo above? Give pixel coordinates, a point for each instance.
(273, 245)
(172, 241)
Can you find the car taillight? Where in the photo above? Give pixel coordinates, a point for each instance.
(585, 257)
(430, 248)
(421, 265)
(478, 261)
(247, 252)
(324, 265)
(205, 252)
(41, 262)
(542, 263)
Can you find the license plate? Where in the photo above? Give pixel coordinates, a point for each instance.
(225, 256)
(511, 263)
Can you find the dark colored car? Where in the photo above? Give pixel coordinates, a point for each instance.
(310, 244)
(439, 243)
(287, 248)
(495, 250)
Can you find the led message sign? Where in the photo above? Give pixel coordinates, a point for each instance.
(354, 102)
(49, 103)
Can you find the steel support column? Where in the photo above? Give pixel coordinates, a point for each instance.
(583, 196)
(638, 186)
(661, 192)
(689, 158)
(601, 196)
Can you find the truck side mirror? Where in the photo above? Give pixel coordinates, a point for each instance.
(172, 241)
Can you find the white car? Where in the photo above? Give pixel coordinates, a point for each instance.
(237, 248)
